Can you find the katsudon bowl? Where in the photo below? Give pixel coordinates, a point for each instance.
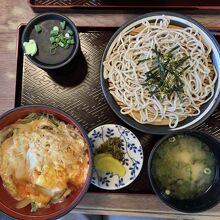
(144, 88)
(53, 122)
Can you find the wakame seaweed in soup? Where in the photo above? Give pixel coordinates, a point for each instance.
(183, 167)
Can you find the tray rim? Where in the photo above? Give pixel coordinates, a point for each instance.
(120, 7)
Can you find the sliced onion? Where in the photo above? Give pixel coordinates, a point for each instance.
(67, 192)
(61, 197)
(23, 203)
(50, 192)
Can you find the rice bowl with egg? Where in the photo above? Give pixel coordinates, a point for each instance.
(53, 167)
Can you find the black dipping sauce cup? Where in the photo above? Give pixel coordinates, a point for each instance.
(44, 58)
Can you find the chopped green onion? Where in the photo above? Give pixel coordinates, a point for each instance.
(67, 46)
(207, 171)
(172, 139)
(57, 39)
(70, 32)
(53, 120)
(52, 39)
(29, 118)
(72, 41)
(37, 28)
(63, 40)
(55, 28)
(167, 192)
(188, 168)
(60, 38)
(54, 33)
(61, 44)
(34, 207)
(53, 48)
(67, 35)
(63, 24)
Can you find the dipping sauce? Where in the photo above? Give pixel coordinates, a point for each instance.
(44, 45)
(183, 167)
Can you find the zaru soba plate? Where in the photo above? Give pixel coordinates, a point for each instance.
(160, 73)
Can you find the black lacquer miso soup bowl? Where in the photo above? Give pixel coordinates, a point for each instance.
(183, 168)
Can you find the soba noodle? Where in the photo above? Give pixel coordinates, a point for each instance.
(125, 71)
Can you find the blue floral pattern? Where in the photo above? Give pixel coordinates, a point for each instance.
(109, 133)
(132, 161)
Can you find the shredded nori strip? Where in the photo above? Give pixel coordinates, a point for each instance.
(164, 78)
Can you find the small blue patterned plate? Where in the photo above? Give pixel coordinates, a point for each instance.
(132, 161)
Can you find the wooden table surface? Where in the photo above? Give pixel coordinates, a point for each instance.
(13, 13)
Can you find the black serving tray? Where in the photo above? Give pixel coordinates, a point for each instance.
(78, 92)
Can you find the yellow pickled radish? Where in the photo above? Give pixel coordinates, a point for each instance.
(98, 156)
(110, 164)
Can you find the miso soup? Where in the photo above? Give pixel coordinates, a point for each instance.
(183, 167)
